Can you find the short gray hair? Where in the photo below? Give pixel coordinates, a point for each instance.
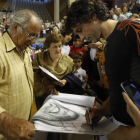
(22, 17)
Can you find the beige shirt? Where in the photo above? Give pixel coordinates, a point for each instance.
(16, 80)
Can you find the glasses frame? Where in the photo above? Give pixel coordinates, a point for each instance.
(30, 36)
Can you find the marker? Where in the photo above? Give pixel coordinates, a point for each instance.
(90, 119)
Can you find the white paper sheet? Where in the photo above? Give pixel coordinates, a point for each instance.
(75, 99)
(49, 73)
(55, 116)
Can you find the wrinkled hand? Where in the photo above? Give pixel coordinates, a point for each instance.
(95, 115)
(62, 83)
(17, 129)
(50, 89)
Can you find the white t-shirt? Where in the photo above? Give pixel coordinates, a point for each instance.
(65, 49)
(44, 31)
(121, 17)
(80, 73)
(42, 26)
(47, 25)
(58, 24)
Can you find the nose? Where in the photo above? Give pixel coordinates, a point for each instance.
(59, 48)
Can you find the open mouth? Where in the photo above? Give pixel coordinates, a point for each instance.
(58, 52)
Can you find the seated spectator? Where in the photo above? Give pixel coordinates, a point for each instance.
(80, 73)
(58, 23)
(55, 29)
(62, 27)
(67, 36)
(114, 16)
(47, 24)
(77, 47)
(125, 13)
(60, 65)
(51, 24)
(120, 16)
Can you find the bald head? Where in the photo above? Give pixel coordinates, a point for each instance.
(118, 11)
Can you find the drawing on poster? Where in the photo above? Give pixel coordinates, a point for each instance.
(56, 116)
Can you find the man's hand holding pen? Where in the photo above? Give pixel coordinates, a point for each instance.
(93, 115)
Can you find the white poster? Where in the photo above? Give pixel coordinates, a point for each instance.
(56, 116)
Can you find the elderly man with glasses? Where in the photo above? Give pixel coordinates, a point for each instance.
(16, 76)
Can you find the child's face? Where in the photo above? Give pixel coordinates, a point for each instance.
(67, 38)
(77, 63)
(78, 43)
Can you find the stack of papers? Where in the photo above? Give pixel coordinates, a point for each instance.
(65, 113)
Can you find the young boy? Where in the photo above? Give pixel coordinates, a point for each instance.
(80, 73)
(77, 47)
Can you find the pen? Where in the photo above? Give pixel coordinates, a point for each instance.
(90, 119)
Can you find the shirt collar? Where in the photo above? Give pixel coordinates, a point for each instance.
(10, 44)
(78, 69)
(8, 41)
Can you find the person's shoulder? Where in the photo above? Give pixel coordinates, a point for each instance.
(41, 55)
(66, 57)
(2, 44)
(123, 16)
(71, 46)
(83, 70)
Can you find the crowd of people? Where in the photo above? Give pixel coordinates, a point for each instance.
(91, 47)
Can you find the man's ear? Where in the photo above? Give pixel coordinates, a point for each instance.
(94, 17)
(14, 28)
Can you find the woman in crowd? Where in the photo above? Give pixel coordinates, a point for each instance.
(55, 30)
(60, 65)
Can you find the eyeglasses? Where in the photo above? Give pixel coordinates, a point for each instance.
(30, 36)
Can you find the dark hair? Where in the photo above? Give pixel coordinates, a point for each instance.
(76, 37)
(66, 32)
(52, 38)
(37, 47)
(77, 56)
(82, 11)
